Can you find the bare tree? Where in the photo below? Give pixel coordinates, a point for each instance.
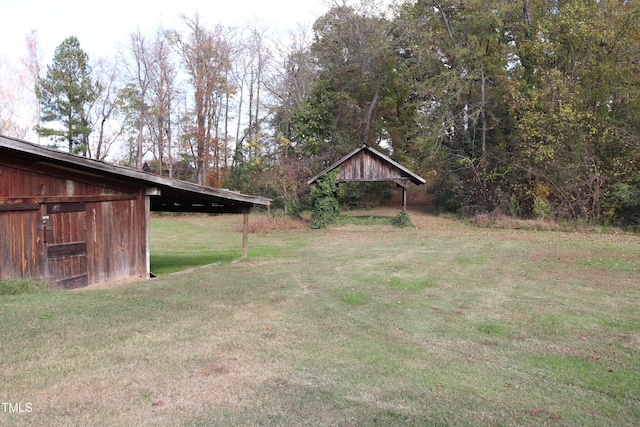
(106, 107)
(32, 63)
(206, 60)
(163, 93)
(136, 93)
(239, 72)
(291, 80)
(250, 68)
(11, 97)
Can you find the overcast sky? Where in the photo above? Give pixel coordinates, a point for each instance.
(102, 26)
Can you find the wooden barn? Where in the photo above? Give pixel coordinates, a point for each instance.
(366, 164)
(78, 221)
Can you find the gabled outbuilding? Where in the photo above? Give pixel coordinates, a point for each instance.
(77, 221)
(365, 164)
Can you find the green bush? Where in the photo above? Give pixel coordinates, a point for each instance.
(541, 205)
(447, 194)
(292, 208)
(622, 205)
(402, 220)
(325, 204)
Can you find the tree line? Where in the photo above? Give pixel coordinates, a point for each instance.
(184, 103)
(526, 107)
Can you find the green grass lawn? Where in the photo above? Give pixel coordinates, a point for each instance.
(360, 324)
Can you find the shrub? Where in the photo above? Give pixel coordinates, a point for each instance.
(402, 220)
(325, 204)
(541, 205)
(622, 204)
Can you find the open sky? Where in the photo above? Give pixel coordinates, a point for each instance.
(102, 26)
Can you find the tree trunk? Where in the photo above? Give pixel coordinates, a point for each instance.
(367, 120)
(237, 156)
(483, 113)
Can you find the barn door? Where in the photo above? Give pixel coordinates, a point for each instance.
(67, 245)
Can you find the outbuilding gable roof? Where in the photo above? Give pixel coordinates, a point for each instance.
(367, 164)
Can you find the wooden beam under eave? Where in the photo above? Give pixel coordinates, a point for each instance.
(153, 191)
(403, 182)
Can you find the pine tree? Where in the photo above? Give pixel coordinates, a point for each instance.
(65, 93)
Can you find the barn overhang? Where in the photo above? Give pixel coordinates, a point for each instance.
(79, 221)
(165, 194)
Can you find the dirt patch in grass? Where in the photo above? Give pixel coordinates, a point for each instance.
(109, 285)
(265, 224)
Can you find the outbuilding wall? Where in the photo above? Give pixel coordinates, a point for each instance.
(71, 227)
(366, 167)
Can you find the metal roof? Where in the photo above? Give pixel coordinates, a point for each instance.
(170, 195)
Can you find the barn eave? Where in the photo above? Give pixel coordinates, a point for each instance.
(170, 195)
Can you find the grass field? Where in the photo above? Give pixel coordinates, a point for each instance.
(361, 324)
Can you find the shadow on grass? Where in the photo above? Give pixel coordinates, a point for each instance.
(165, 264)
(400, 220)
(364, 219)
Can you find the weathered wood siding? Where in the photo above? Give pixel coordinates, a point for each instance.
(366, 167)
(21, 250)
(116, 239)
(73, 228)
(66, 243)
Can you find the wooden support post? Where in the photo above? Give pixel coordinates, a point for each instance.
(245, 234)
(147, 236)
(404, 199)
(402, 182)
(152, 191)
